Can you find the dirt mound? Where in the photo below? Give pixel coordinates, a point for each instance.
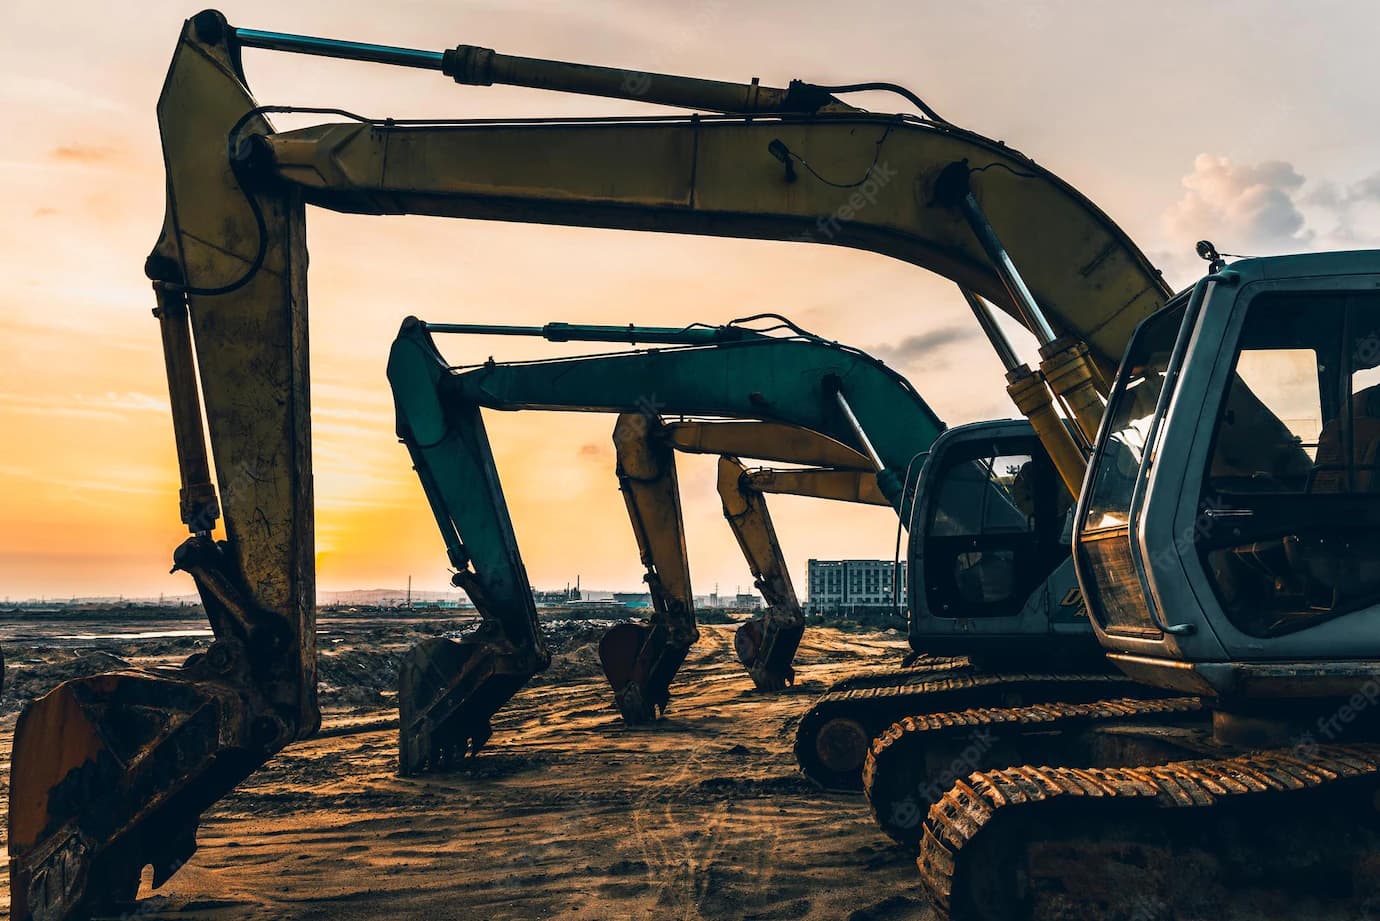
(358, 678)
(26, 679)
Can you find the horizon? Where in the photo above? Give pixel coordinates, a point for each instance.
(1253, 143)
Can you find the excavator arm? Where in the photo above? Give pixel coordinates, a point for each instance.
(640, 661)
(110, 773)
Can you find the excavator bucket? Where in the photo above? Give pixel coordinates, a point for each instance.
(747, 641)
(618, 649)
(447, 692)
(766, 644)
(111, 774)
(640, 662)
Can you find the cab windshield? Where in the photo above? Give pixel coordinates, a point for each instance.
(1131, 415)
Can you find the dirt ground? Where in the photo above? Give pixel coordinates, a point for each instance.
(567, 813)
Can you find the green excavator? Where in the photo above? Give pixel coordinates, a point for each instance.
(735, 372)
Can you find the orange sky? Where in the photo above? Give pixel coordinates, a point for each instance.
(1236, 121)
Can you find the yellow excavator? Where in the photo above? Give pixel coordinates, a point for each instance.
(1222, 554)
(766, 643)
(111, 773)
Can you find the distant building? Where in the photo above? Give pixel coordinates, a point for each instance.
(853, 586)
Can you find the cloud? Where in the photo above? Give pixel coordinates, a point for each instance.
(1347, 207)
(1263, 209)
(1243, 207)
(44, 212)
(83, 154)
(914, 348)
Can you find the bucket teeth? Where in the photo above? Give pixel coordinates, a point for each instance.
(448, 691)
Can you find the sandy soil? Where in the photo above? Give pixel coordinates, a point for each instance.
(567, 814)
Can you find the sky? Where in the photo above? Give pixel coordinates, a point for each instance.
(1249, 123)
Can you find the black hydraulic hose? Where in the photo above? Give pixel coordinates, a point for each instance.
(896, 88)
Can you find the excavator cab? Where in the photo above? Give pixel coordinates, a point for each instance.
(989, 568)
(1227, 536)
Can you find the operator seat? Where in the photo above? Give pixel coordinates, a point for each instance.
(1339, 567)
(1365, 440)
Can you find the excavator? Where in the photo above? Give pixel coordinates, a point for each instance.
(111, 773)
(1224, 542)
(789, 384)
(992, 548)
(645, 448)
(691, 380)
(995, 559)
(766, 643)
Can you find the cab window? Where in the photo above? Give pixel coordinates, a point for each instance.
(995, 527)
(1291, 498)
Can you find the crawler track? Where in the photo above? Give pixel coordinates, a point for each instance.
(833, 737)
(1279, 814)
(916, 759)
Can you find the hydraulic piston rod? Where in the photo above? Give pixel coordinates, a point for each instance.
(335, 48)
(476, 66)
(887, 480)
(576, 332)
(953, 189)
(1000, 343)
(1027, 388)
(857, 428)
(1065, 363)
